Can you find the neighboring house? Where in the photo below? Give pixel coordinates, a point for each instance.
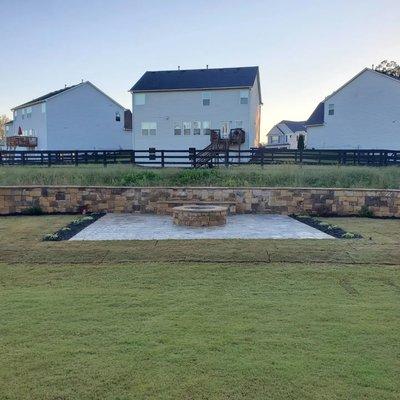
(79, 117)
(285, 134)
(362, 114)
(177, 109)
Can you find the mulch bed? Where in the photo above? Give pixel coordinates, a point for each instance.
(330, 229)
(73, 228)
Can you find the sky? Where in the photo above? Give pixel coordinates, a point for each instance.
(305, 49)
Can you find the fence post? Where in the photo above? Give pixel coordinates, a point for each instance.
(76, 158)
(152, 153)
(162, 159)
(23, 158)
(194, 158)
(132, 156)
(49, 159)
(262, 158)
(227, 156)
(301, 156)
(1, 158)
(191, 155)
(104, 159)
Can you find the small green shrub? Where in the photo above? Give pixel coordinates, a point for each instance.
(33, 210)
(51, 237)
(349, 235)
(366, 212)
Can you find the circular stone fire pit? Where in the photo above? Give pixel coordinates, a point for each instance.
(198, 215)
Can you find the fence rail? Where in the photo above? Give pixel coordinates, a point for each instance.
(188, 158)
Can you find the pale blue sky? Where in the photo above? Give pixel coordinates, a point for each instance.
(305, 49)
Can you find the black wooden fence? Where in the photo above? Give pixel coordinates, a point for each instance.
(188, 158)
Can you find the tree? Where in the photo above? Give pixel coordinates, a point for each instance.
(3, 120)
(300, 143)
(390, 68)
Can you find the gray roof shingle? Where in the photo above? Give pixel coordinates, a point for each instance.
(213, 78)
(317, 116)
(44, 97)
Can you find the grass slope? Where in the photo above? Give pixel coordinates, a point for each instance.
(273, 175)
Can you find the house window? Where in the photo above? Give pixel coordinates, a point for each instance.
(15, 114)
(206, 127)
(149, 128)
(274, 139)
(29, 112)
(186, 128)
(239, 124)
(139, 99)
(7, 128)
(331, 109)
(23, 113)
(196, 127)
(206, 98)
(244, 97)
(177, 129)
(117, 116)
(43, 108)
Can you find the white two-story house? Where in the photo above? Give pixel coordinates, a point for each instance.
(286, 134)
(362, 114)
(175, 110)
(79, 117)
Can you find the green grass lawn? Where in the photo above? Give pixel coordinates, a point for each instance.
(249, 319)
(252, 175)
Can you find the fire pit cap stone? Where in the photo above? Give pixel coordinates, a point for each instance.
(197, 208)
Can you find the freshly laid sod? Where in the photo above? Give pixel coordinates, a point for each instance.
(249, 319)
(271, 175)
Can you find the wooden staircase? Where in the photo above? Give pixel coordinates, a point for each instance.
(204, 158)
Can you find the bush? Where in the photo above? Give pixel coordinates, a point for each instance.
(366, 212)
(33, 210)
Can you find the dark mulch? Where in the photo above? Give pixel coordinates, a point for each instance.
(330, 229)
(73, 227)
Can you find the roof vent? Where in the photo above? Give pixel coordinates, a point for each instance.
(207, 66)
(179, 67)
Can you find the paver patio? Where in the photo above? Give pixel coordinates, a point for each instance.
(161, 227)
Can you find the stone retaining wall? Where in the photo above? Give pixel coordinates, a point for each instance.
(314, 201)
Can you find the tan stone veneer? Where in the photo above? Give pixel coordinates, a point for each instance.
(315, 201)
(199, 215)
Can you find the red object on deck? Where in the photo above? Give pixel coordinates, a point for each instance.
(19, 131)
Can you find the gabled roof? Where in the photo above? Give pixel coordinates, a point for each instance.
(44, 97)
(294, 126)
(317, 116)
(58, 92)
(360, 73)
(196, 79)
